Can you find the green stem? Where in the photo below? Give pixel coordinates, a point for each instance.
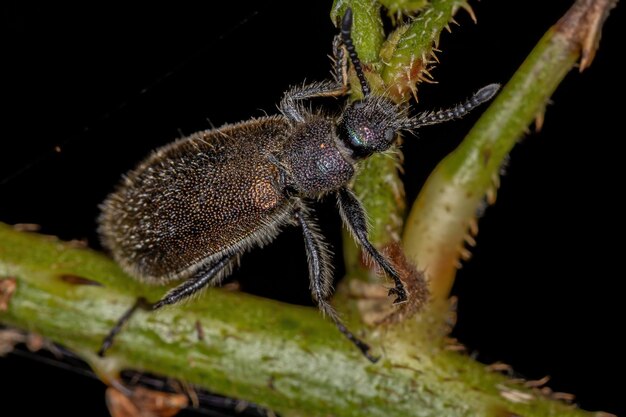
(284, 357)
(437, 227)
(289, 358)
(399, 62)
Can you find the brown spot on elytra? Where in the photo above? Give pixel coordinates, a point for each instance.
(264, 194)
(7, 289)
(78, 280)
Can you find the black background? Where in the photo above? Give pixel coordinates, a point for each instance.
(109, 83)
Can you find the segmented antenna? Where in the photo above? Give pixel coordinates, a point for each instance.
(346, 38)
(431, 118)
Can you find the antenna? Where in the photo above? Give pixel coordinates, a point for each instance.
(346, 38)
(431, 118)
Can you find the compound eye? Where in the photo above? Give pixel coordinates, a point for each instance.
(358, 104)
(390, 134)
(356, 139)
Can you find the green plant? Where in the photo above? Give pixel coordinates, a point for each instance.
(286, 357)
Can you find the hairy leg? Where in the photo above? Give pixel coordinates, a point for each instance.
(208, 276)
(321, 279)
(354, 217)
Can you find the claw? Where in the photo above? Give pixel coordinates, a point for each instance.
(399, 293)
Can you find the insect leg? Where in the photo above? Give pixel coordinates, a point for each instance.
(206, 277)
(340, 61)
(320, 275)
(353, 215)
(108, 340)
(290, 106)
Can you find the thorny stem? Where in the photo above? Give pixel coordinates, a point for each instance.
(393, 65)
(443, 218)
(281, 356)
(286, 357)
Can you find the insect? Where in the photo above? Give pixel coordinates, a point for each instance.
(193, 207)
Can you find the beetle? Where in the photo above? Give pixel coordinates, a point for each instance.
(193, 207)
